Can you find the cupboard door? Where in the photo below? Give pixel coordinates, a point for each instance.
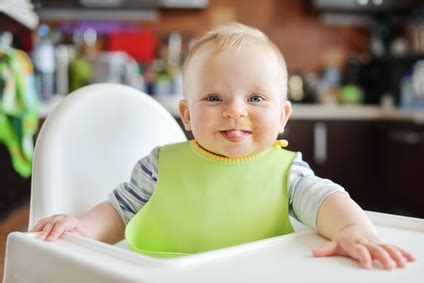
(404, 159)
(345, 152)
(14, 189)
(352, 160)
(299, 134)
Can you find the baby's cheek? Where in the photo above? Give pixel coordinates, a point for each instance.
(204, 116)
(203, 124)
(267, 133)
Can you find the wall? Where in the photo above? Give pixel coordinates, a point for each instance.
(291, 24)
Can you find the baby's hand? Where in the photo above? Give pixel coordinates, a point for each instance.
(365, 246)
(51, 228)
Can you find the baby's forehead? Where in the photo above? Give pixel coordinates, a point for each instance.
(210, 52)
(212, 49)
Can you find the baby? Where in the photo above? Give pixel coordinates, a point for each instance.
(233, 183)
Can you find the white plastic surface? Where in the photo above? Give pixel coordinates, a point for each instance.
(282, 259)
(90, 143)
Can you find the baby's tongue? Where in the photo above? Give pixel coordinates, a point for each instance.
(235, 135)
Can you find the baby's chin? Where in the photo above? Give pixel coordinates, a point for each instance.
(237, 153)
(223, 148)
(225, 152)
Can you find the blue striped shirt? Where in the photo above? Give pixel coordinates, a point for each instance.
(306, 191)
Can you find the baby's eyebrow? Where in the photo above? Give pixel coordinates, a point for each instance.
(207, 93)
(262, 91)
(210, 88)
(258, 87)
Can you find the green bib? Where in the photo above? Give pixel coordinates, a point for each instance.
(203, 202)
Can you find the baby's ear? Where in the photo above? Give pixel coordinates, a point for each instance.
(286, 112)
(185, 114)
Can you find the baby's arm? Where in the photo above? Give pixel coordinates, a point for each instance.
(106, 221)
(102, 223)
(352, 234)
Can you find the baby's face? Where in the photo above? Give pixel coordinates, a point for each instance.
(235, 103)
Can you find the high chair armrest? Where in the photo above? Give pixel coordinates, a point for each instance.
(77, 259)
(73, 258)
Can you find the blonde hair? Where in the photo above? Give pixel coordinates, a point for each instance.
(233, 36)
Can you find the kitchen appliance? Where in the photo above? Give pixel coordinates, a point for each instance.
(119, 10)
(366, 6)
(118, 4)
(383, 75)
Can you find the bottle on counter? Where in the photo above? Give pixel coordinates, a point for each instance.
(44, 61)
(168, 76)
(163, 79)
(331, 79)
(418, 83)
(412, 87)
(351, 91)
(81, 67)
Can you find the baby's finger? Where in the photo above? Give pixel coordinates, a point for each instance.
(55, 232)
(40, 225)
(45, 231)
(42, 222)
(329, 249)
(405, 253)
(395, 254)
(380, 254)
(361, 254)
(59, 228)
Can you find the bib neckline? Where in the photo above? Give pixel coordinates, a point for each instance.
(223, 159)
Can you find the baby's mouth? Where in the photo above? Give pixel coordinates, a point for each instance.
(235, 135)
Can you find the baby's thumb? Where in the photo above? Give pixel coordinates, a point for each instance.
(329, 249)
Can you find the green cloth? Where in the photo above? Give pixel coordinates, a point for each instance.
(201, 203)
(18, 108)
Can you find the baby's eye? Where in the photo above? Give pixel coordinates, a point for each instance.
(255, 98)
(213, 98)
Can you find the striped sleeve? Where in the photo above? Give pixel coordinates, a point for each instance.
(129, 197)
(307, 191)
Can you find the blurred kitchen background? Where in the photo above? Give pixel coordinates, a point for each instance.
(356, 78)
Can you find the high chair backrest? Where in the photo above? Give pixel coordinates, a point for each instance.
(90, 143)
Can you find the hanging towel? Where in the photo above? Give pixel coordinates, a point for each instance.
(18, 108)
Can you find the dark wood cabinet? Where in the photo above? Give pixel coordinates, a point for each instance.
(343, 151)
(403, 161)
(14, 189)
(378, 162)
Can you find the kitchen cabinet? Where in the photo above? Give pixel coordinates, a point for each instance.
(345, 152)
(403, 161)
(377, 161)
(14, 189)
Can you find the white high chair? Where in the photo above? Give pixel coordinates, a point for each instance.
(90, 143)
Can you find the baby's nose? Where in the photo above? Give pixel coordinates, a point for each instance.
(235, 111)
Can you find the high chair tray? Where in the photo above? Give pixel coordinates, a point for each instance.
(289, 257)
